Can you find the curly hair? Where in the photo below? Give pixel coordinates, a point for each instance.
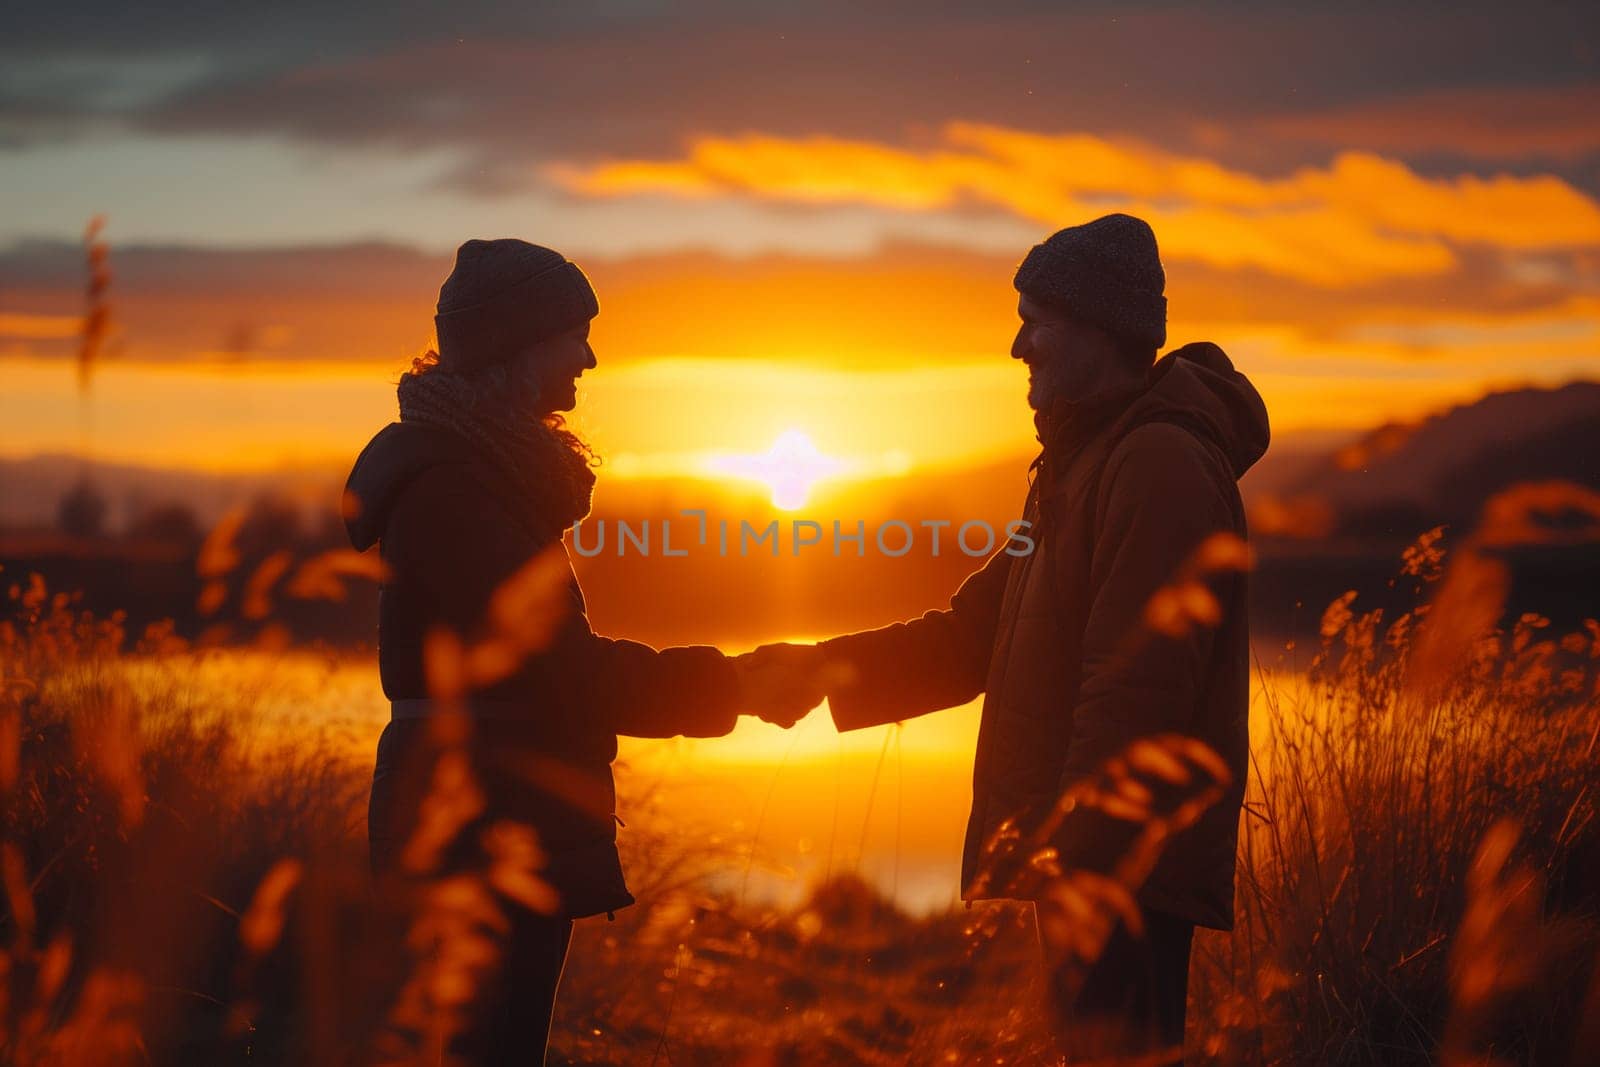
(495, 380)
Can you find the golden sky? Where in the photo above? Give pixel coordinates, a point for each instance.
(802, 226)
(797, 225)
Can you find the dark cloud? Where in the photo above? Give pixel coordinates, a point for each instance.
(354, 269)
(511, 86)
(64, 70)
(374, 301)
(291, 32)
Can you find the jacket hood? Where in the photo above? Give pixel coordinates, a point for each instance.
(1197, 387)
(392, 459)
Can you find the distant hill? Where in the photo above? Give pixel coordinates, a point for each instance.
(31, 487)
(1328, 521)
(1378, 483)
(1400, 479)
(1376, 492)
(1291, 455)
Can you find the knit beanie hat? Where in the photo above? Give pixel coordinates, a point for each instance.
(1106, 272)
(504, 295)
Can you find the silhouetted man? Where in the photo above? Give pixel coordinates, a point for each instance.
(1113, 659)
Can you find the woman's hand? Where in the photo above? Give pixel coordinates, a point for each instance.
(781, 682)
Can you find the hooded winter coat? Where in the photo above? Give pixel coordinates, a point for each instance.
(451, 530)
(1127, 489)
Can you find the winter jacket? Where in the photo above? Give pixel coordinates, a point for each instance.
(450, 531)
(1056, 639)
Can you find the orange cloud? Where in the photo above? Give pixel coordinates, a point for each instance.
(1360, 219)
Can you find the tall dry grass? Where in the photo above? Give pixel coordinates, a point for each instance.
(1417, 881)
(179, 892)
(1419, 877)
(143, 817)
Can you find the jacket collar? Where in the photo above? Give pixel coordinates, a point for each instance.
(1069, 425)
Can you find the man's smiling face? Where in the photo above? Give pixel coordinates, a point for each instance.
(1069, 359)
(1060, 354)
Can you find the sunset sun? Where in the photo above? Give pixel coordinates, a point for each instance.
(789, 469)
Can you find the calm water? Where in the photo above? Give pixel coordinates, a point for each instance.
(779, 809)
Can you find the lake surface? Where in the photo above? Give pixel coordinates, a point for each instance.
(780, 809)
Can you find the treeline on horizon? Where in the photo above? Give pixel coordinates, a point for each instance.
(275, 573)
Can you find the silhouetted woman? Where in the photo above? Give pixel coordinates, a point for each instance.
(478, 477)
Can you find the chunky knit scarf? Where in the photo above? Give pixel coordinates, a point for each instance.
(547, 465)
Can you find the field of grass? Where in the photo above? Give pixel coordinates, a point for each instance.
(1419, 878)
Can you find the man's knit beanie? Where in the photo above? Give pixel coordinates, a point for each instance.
(1107, 273)
(504, 295)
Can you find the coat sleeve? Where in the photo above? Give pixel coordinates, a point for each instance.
(460, 545)
(910, 668)
(1162, 495)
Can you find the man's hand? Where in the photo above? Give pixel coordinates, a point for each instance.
(782, 682)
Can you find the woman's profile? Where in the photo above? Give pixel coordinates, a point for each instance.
(479, 476)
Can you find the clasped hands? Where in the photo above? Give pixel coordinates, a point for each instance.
(782, 682)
